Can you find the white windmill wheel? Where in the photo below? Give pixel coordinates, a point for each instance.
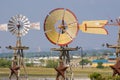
(19, 25)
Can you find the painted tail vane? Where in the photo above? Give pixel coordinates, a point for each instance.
(94, 27)
(3, 27)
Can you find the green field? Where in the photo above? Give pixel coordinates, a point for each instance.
(40, 71)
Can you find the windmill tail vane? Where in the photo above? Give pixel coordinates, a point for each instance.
(98, 26)
(3, 27)
(94, 27)
(34, 25)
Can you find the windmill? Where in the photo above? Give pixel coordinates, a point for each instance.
(19, 26)
(117, 46)
(116, 66)
(61, 28)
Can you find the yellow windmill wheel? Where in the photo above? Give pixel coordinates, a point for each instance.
(61, 26)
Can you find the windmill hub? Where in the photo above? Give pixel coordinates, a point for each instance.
(18, 25)
(61, 27)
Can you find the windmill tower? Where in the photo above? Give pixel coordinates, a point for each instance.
(61, 27)
(19, 26)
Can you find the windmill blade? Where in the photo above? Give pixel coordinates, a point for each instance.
(58, 37)
(69, 35)
(72, 23)
(23, 32)
(3, 27)
(47, 31)
(23, 18)
(63, 15)
(20, 17)
(35, 25)
(94, 27)
(13, 31)
(13, 19)
(27, 23)
(26, 28)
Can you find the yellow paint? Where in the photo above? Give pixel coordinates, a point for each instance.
(94, 27)
(53, 32)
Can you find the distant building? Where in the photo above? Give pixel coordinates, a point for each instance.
(112, 58)
(106, 62)
(95, 62)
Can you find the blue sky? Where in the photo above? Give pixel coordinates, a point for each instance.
(36, 11)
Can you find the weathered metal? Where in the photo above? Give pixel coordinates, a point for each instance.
(116, 67)
(61, 70)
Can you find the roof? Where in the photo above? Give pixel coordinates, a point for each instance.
(100, 60)
(113, 57)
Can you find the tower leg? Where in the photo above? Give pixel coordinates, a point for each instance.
(65, 57)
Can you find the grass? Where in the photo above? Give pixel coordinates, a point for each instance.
(40, 71)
